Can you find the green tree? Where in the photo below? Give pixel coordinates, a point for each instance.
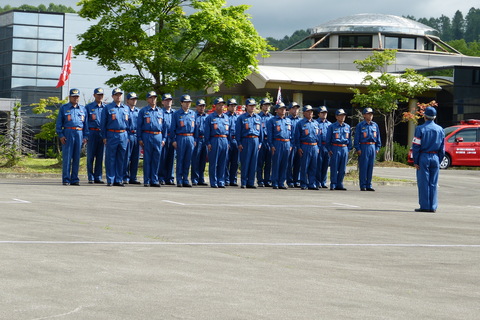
(169, 48)
(472, 25)
(11, 141)
(458, 26)
(287, 41)
(41, 8)
(385, 91)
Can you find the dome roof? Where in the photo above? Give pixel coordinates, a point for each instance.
(374, 23)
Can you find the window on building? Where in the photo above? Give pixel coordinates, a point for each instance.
(28, 18)
(400, 43)
(428, 45)
(50, 46)
(324, 44)
(476, 76)
(355, 42)
(50, 20)
(22, 70)
(24, 57)
(22, 45)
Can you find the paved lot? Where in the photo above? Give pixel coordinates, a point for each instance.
(93, 252)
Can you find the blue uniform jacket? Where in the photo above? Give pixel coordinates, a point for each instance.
(216, 125)
(339, 135)
(248, 125)
(429, 138)
(279, 128)
(70, 117)
(200, 125)
(367, 133)
(306, 131)
(151, 119)
(322, 134)
(133, 114)
(183, 122)
(115, 118)
(167, 118)
(265, 118)
(233, 122)
(94, 112)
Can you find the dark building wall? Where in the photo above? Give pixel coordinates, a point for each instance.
(466, 104)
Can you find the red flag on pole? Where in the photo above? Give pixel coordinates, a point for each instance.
(67, 68)
(279, 95)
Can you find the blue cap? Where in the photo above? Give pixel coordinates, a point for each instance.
(430, 113)
(74, 93)
(367, 110)
(98, 91)
(293, 105)
(201, 102)
(132, 95)
(231, 101)
(307, 108)
(280, 105)
(218, 100)
(250, 102)
(185, 98)
(340, 112)
(117, 90)
(151, 94)
(167, 96)
(322, 109)
(265, 101)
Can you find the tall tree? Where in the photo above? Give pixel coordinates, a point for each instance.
(472, 25)
(169, 48)
(458, 26)
(445, 28)
(385, 91)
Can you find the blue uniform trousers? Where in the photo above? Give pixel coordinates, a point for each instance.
(131, 158)
(232, 164)
(264, 166)
(115, 152)
(279, 162)
(365, 164)
(199, 161)
(95, 151)
(308, 166)
(427, 181)
(167, 158)
(338, 165)
(185, 145)
(217, 159)
(248, 161)
(293, 170)
(323, 162)
(71, 155)
(152, 148)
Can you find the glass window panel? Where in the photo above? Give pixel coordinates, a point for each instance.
(391, 42)
(50, 59)
(48, 72)
(408, 43)
(468, 135)
(25, 45)
(22, 82)
(364, 42)
(50, 46)
(346, 41)
(25, 31)
(50, 33)
(47, 83)
(24, 57)
(50, 20)
(20, 70)
(25, 18)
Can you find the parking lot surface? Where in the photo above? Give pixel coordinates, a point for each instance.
(97, 252)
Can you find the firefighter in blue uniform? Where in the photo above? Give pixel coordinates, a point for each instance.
(72, 129)
(168, 151)
(199, 158)
(115, 124)
(133, 148)
(264, 166)
(217, 139)
(232, 159)
(151, 130)
(323, 157)
(293, 167)
(428, 151)
(182, 133)
(339, 142)
(95, 146)
(367, 143)
(249, 135)
(306, 140)
(279, 129)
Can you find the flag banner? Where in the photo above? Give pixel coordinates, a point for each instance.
(67, 68)
(279, 95)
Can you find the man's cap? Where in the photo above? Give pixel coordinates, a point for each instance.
(322, 109)
(151, 94)
(292, 105)
(185, 98)
(201, 102)
(98, 91)
(430, 113)
(307, 108)
(167, 96)
(132, 95)
(280, 105)
(250, 102)
(265, 101)
(218, 100)
(117, 90)
(367, 110)
(340, 112)
(231, 101)
(74, 93)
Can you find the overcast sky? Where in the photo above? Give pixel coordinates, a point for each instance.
(277, 18)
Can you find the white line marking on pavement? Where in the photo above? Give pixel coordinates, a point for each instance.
(16, 201)
(266, 244)
(179, 203)
(60, 315)
(478, 207)
(346, 205)
(334, 205)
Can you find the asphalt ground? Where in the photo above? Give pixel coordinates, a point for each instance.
(97, 252)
